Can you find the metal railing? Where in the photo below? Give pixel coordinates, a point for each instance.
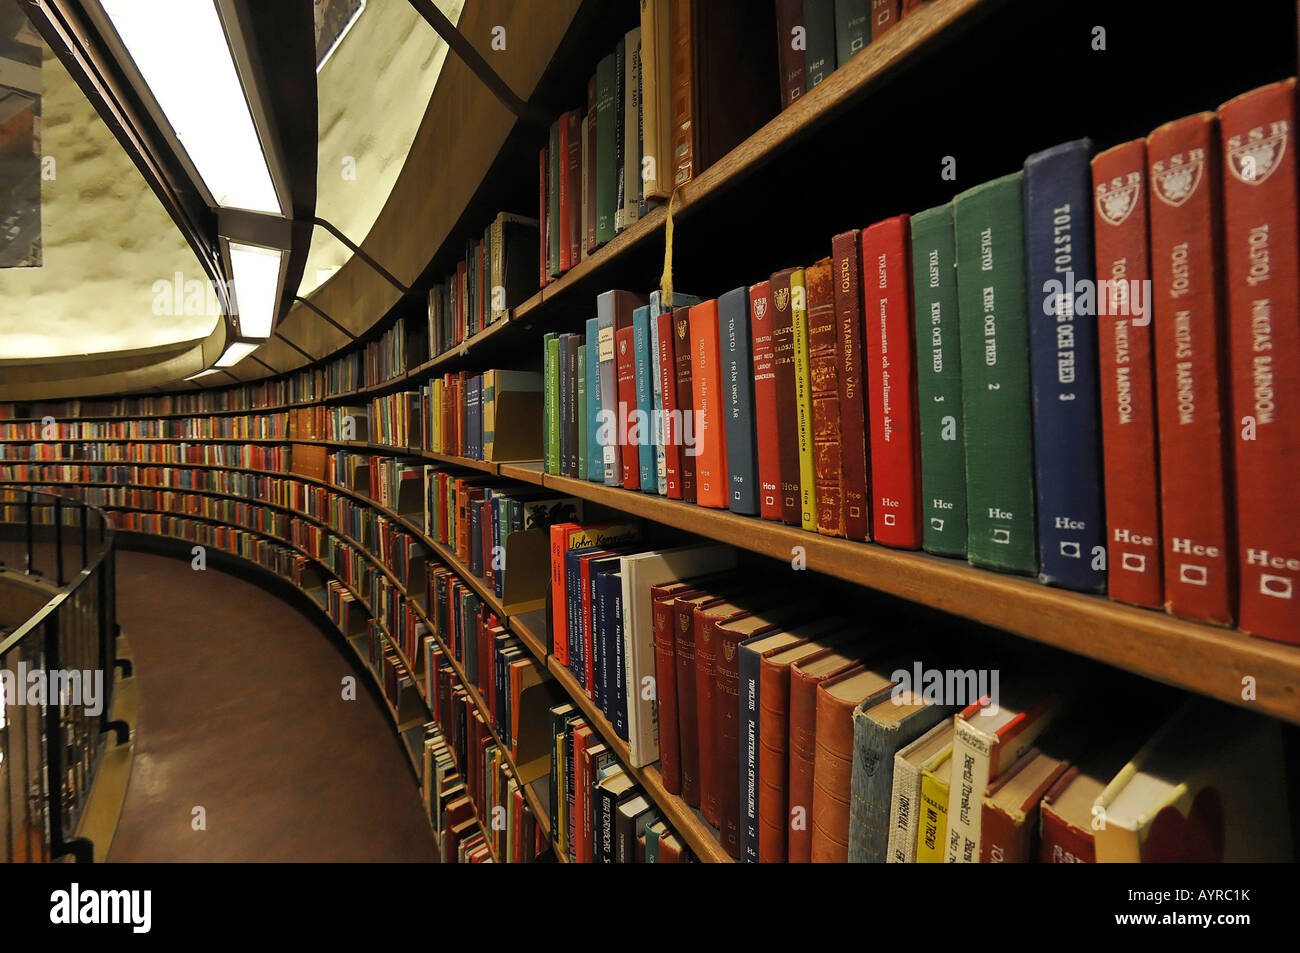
(58, 636)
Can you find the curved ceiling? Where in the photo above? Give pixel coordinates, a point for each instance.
(111, 254)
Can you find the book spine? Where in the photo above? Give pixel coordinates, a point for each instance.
(847, 284)
(552, 404)
(644, 401)
(1127, 377)
(562, 255)
(632, 130)
(606, 137)
(884, 15)
(988, 221)
(891, 383)
(819, 54)
(574, 459)
(938, 383)
(609, 415)
(790, 49)
(620, 140)
(690, 428)
(566, 401)
(543, 253)
(904, 814)
(595, 466)
(823, 370)
(738, 394)
(748, 666)
(803, 403)
(833, 769)
(666, 694)
(573, 233)
(1189, 355)
(726, 685)
(706, 402)
(803, 749)
(1063, 367)
(706, 702)
(556, 189)
(672, 413)
(787, 421)
(590, 200)
(657, 396)
(628, 429)
(687, 713)
(682, 71)
(852, 28)
(766, 410)
(618, 659)
(1260, 200)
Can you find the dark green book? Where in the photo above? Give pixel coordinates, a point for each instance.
(819, 40)
(551, 343)
(553, 161)
(852, 28)
(994, 320)
(607, 137)
(938, 382)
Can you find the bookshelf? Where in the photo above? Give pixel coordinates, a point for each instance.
(1197, 658)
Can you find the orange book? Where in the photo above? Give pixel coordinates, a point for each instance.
(706, 391)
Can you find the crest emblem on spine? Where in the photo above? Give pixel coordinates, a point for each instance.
(1176, 180)
(1253, 157)
(622, 347)
(1115, 201)
(681, 328)
(782, 298)
(760, 308)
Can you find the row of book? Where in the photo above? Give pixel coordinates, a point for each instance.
(816, 37)
(494, 277)
(248, 426)
(660, 108)
(386, 357)
(599, 813)
(489, 416)
(248, 455)
(1006, 349)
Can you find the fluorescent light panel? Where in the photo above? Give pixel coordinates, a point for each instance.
(210, 370)
(256, 274)
(181, 50)
(237, 352)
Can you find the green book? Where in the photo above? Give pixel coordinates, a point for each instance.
(938, 382)
(993, 315)
(552, 402)
(584, 447)
(803, 402)
(553, 170)
(607, 138)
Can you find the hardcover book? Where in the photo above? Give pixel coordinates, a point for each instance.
(846, 256)
(766, 410)
(787, 419)
(738, 400)
(823, 372)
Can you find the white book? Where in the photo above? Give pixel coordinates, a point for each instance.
(905, 797)
(639, 573)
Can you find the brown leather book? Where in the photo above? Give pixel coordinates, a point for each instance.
(663, 600)
(884, 15)
(685, 393)
(787, 419)
(823, 365)
(773, 736)
(833, 764)
(847, 285)
(805, 675)
(688, 722)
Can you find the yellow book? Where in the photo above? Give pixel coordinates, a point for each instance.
(436, 405)
(560, 836)
(934, 809)
(803, 402)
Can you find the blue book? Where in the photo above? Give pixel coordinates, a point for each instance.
(1063, 366)
(644, 400)
(595, 458)
(656, 380)
(617, 694)
(573, 594)
(738, 401)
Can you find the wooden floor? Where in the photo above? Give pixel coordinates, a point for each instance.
(241, 714)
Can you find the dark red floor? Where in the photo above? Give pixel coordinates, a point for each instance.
(241, 714)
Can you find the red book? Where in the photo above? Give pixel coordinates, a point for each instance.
(571, 130)
(789, 17)
(625, 364)
(846, 282)
(559, 601)
(672, 409)
(544, 244)
(706, 389)
(685, 396)
(765, 405)
(1128, 394)
(1188, 316)
(583, 736)
(663, 600)
(787, 421)
(562, 185)
(707, 617)
(884, 15)
(687, 712)
(1063, 842)
(1263, 265)
(891, 383)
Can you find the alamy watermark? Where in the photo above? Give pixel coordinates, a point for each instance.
(80, 688)
(1117, 296)
(947, 686)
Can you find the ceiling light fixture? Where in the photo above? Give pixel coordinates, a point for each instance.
(237, 352)
(183, 54)
(256, 272)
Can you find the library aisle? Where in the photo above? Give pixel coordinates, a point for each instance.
(242, 714)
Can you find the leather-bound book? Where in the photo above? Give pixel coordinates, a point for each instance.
(805, 675)
(837, 698)
(685, 399)
(766, 409)
(847, 286)
(823, 370)
(1263, 274)
(663, 599)
(790, 58)
(688, 719)
(1127, 376)
(891, 383)
(1188, 318)
(787, 423)
(885, 14)
(1011, 808)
